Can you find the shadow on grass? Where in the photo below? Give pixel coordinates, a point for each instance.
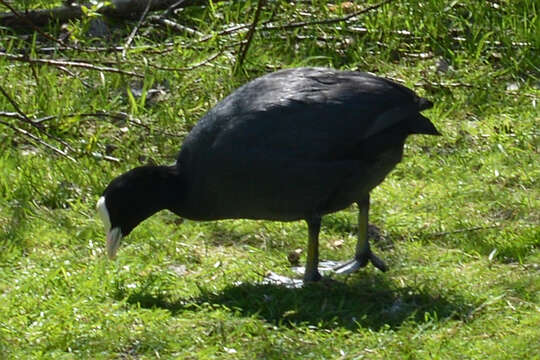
(370, 302)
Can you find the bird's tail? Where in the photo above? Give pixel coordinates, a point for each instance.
(424, 104)
(422, 125)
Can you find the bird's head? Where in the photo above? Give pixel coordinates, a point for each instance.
(114, 234)
(132, 197)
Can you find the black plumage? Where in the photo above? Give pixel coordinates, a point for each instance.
(291, 145)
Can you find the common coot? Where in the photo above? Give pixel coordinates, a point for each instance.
(291, 145)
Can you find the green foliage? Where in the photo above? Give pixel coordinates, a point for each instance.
(458, 217)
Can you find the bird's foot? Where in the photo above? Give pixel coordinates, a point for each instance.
(310, 277)
(272, 278)
(359, 262)
(291, 283)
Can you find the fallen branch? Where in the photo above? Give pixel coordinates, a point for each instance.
(123, 9)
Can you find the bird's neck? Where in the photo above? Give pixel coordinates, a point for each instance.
(172, 189)
(160, 188)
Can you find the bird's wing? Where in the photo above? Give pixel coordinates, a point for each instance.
(307, 114)
(315, 116)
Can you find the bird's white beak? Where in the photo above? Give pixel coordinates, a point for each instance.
(114, 237)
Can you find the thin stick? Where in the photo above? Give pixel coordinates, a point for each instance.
(163, 19)
(135, 29)
(70, 73)
(326, 21)
(38, 140)
(191, 67)
(37, 29)
(69, 63)
(23, 116)
(267, 26)
(13, 115)
(249, 36)
(116, 115)
(27, 120)
(227, 31)
(174, 25)
(105, 157)
(171, 9)
(477, 228)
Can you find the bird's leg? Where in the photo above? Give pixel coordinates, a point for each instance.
(363, 250)
(312, 262)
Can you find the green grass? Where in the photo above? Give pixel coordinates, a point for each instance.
(459, 216)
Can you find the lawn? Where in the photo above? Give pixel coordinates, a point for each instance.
(458, 221)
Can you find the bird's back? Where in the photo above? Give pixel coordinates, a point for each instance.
(309, 113)
(283, 144)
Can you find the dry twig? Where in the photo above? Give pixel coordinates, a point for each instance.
(70, 73)
(245, 47)
(38, 140)
(325, 21)
(122, 9)
(102, 114)
(163, 19)
(135, 29)
(27, 120)
(477, 228)
(32, 25)
(57, 63)
(170, 10)
(191, 67)
(174, 25)
(268, 26)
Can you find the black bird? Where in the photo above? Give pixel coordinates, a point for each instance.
(295, 144)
